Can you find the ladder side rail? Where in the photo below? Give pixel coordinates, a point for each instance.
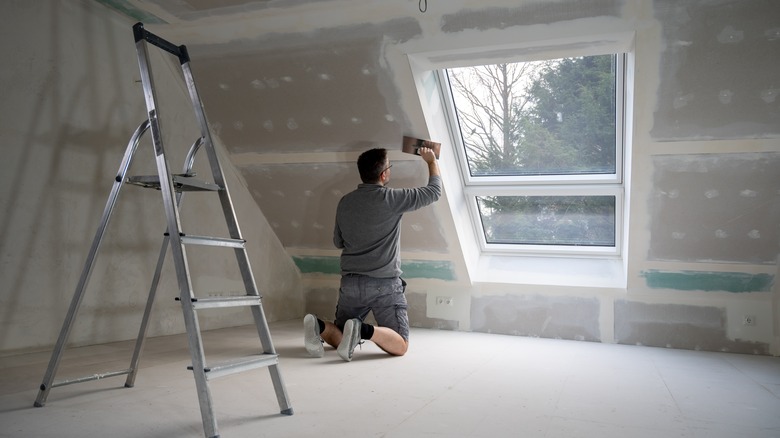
(143, 330)
(86, 273)
(282, 397)
(219, 179)
(230, 213)
(263, 331)
(242, 257)
(216, 167)
(177, 248)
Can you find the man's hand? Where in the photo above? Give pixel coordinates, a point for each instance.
(427, 154)
(430, 158)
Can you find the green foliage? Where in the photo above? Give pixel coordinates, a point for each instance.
(541, 118)
(547, 117)
(574, 100)
(541, 220)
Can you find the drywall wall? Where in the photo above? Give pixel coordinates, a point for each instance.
(529, 14)
(716, 207)
(311, 92)
(537, 316)
(718, 70)
(678, 326)
(300, 201)
(71, 101)
(297, 89)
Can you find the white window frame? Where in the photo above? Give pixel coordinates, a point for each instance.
(544, 185)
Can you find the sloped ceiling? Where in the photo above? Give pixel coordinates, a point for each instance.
(295, 90)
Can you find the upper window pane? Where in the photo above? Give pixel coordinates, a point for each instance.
(555, 117)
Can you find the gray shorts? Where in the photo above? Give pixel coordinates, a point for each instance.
(385, 297)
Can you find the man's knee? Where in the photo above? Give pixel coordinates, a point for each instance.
(403, 348)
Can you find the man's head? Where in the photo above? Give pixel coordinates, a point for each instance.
(372, 164)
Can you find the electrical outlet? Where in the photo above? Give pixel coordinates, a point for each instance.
(749, 320)
(444, 301)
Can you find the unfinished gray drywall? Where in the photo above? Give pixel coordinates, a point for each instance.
(531, 13)
(719, 68)
(716, 207)
(326, 90)
(334, 78)
(678, 326)
(418, 313)
(192, 10)
(72, 100)
(299, 200)
(321, 301)
(296, 155)
(538, 316)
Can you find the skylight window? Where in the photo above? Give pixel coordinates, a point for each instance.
(541, 152)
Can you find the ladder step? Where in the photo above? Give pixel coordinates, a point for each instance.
(181, 183)
(219, 302)
(213, 241)
(240, 365)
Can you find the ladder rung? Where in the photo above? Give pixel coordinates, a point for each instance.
(181, 183)
(88, 378)
(214, 302)
(240, 365)
(213, 241)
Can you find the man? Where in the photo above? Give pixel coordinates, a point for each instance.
(368, 231)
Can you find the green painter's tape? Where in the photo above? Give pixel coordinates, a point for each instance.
(131, 11)
(441, 270)
(709, 281)
(319, 265)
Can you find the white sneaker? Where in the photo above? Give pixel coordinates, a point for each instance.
(350, 340)
(311, 336)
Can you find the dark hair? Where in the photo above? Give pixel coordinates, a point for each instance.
(371, 163)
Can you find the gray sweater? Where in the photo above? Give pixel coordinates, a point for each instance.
(368, 226)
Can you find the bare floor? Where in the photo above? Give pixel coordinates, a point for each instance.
(450, 384)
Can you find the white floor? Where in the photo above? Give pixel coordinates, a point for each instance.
(450, 384)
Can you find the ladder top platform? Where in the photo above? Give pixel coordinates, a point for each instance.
(181, 183)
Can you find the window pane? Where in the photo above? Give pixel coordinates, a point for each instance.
(548, 220)
(553, 117)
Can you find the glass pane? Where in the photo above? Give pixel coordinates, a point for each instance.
(548, 220)
(553, 117)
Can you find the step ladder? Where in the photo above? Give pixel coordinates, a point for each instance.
(172, 187)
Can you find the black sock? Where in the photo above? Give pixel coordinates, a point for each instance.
(366, 331)
(321, 324)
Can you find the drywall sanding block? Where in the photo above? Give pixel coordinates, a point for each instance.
(412, 145)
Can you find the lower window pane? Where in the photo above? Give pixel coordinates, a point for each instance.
(548, 220)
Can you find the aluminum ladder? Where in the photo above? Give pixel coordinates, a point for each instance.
(172, 187)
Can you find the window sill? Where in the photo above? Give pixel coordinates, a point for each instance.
(552, 271)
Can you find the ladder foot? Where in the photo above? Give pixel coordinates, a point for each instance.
(38, 405)
(287, 411)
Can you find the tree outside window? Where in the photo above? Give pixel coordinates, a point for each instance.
(540, 123)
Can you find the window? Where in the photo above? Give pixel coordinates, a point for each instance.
(541, 152)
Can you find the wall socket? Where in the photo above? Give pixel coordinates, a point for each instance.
(749, 320)
(444, 301)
